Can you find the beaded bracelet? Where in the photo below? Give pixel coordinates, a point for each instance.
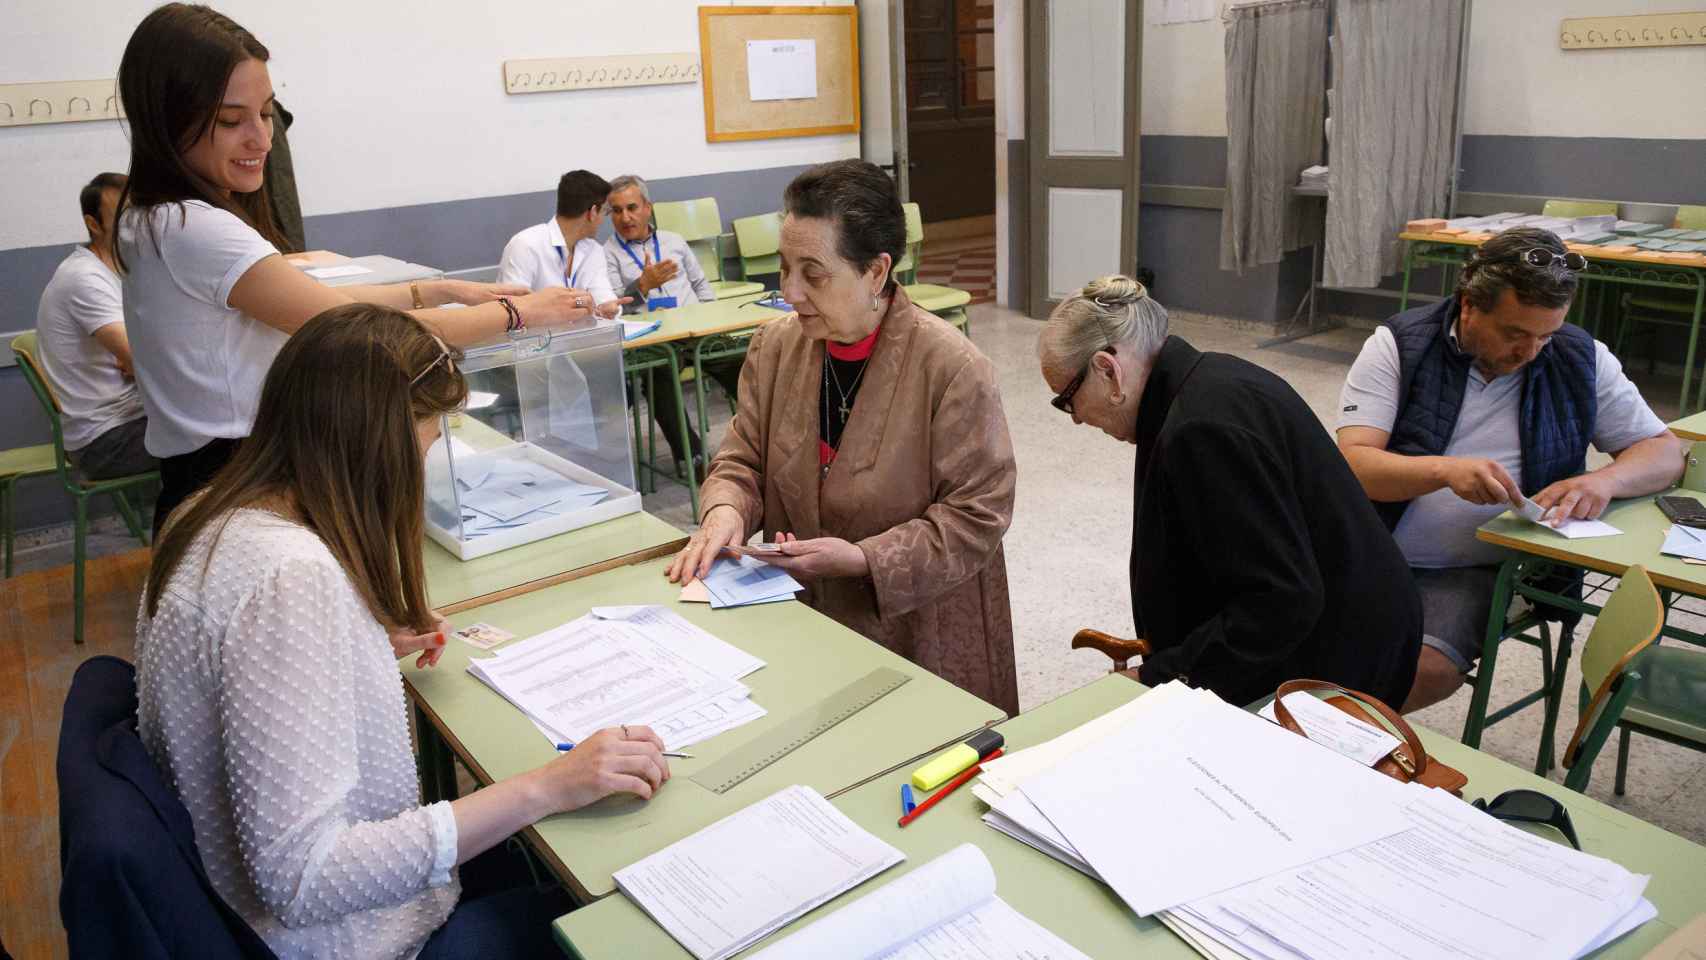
(515, 324)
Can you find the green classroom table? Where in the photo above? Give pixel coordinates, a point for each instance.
(808, 656)
(1690, 427)
(1087, 914)
(1532, 546)
(456, 585)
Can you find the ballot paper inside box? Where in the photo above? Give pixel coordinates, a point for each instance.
(542, 448)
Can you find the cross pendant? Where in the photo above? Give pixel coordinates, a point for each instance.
(844, 410)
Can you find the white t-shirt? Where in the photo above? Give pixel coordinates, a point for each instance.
(94, 397)
(1438, 530)
(538, 258)
(270, 697)
(200, 362)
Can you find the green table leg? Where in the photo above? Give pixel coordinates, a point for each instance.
(1554, 699)
(1693, 336)
(681, 428)
(1409, 263)
(1476, 722)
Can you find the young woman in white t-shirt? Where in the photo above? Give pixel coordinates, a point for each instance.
(209, 300)
(268, 688)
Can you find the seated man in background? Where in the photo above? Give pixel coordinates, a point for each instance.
(561, 252)
(658, 269)
(84, 352)
(1254, 558)
(1454, 410)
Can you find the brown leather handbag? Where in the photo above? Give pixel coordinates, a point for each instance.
(1408, 761)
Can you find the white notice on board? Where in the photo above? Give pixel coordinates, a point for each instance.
(781, 69)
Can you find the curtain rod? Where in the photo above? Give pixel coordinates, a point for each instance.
(1260, 5)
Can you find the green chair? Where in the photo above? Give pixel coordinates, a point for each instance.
(759, 239)
(24, 346)
(906, 271)
(700, 223)
(16, 464)
(1633, 685)
(1528, 627)
(949, 303)
(1579, 208)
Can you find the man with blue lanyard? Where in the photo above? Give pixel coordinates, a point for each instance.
(658, 270)
(561, 252)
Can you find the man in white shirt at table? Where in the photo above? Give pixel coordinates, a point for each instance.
(659, 271)
(1455, 409)
(85, 354)
(562, 251)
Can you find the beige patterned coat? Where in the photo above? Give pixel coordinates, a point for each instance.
(923, 484)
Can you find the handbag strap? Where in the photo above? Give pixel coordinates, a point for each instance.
(1417, 755)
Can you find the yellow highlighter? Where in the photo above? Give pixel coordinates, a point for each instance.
(950, 762)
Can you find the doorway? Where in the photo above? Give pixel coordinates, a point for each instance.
(950, 108)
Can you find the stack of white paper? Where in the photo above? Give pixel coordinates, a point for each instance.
(1400, 870)
(740, 879)
(742, 581)
(649, 667)
(946, 908)
(1572, 529)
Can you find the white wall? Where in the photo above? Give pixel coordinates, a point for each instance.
(1184, 78)
(1523, 84)
(876, 86)
(396, 103)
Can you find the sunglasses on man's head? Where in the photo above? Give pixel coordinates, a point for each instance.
(1543, 258)
(1531, 806)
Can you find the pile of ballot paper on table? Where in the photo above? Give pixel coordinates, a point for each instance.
(500, 492)
(1248, 840)
(741, 582)
(625, 665)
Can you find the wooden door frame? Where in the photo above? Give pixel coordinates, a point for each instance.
(1086, 172)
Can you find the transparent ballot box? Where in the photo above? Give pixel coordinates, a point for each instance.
(542, 447)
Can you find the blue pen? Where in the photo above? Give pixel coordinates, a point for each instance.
(907, 804)
(565, 747)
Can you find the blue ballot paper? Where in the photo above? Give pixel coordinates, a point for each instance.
(743, 581)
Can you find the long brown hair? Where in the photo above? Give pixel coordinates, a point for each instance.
(171, 81)
(335, 439)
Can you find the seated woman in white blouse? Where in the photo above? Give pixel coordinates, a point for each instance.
(268, 689)
(208, 299)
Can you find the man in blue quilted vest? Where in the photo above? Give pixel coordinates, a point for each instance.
(1454, 408)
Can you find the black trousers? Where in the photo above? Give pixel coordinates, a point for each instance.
(186, 473)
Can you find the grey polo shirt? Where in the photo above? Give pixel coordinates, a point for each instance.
(624, 262)
(1439, 529)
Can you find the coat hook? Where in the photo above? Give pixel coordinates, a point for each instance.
(111, 104)
(87, 106)
(36, 100)
(548, 78)
(10, 113)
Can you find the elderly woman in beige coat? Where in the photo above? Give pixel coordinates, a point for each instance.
(871, 445)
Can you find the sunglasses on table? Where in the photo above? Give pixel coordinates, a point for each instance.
(1530, 806)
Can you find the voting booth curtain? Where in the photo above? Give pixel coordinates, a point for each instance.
(1275, 74)
(1395, 74)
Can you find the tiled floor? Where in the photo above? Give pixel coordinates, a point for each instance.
(969, 268)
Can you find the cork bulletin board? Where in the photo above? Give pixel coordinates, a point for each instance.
(731, 114)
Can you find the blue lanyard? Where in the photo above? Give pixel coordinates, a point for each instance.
(657, 252)
(568, 279)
